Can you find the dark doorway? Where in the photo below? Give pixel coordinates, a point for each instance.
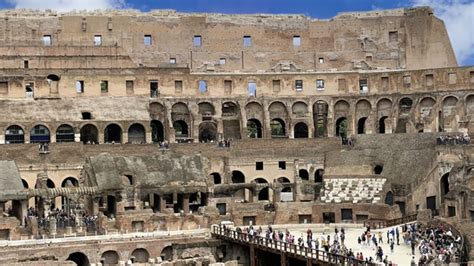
(207, 132)
(136, 134)
(361, 125)
(301, 130)
(157, 131)
(180, 129)
(444, 186)
(254, 129)
(382, 125)
(389, 198)
(401, 206)
(378, 169)
(14, 134)
(89, 134)
(111, 206)
(65, 133)
(277, 127)
(346, 214)
(238, 177)
(79, 258)
(329, 217)
(318, 175)
(216, 178)
(303, 173)
(40, 134)
(263, 194)
(113, 134)
(341, 127)
(431, 203)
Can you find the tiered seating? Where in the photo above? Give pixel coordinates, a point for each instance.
(354, 190)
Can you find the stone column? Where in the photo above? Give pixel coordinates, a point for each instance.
(186, 204)
(310, 121)
(243, 121)
(267, 130)
(162, 203)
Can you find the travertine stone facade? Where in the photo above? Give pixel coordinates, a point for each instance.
(135, 108)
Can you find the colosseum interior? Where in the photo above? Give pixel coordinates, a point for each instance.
(120, 122)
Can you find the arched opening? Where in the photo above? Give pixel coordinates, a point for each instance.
(283, 180)
(180, 129)
(128, 180)
(79, 258)
(382, 124)
(229, 109)
(378, 169)
(303, 174)
(361, 125)
(216, 178)
(444, 185)
(53, 77)
(260, 180)
(231, 120)
(254, 129)
(65, 133)
(14, 134)
(207, 132)
(157, 131)
(389, 198)
(89, 134)
(341, 127)
(70, 182)
(318, 176)
(301, 130)
(167, 253)
(206, 110)
(277, 126)
(140, 255)
(238, 177)
(299, 109)
(136, 134)
(264, 194)
(113, 134)
(320, 115)
(25, 184)
(110, 258)
(405, 105)
(40, 134)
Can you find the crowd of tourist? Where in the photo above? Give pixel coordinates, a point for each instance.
(163, 145)
(224, 143)
(43, 147)
(434, 244)
(62, 218)
(453, 140)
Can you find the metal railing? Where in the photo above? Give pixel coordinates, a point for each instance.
(284, 247)
(377, 224)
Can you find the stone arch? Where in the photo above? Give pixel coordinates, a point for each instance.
(277, 109)
(53, 77)
(444, 185)
(283, 180)
(157, 131)
(140, 255)
(180, 108)
(363, 108)
(278, 128)
(300, 109)
(301, 130)
(14, 134)
(425, 106)
(254, 110)
(136, 134)
(384, 110)
(254, 129)
(260, 180)
(167, 253)
(319, 176)
(231, 120)
(303, 174)
(405, 104)
(207, 132)
(238, 177)
(79, 258)
(206, 109)
(341, 127)
(65, 133)
(216, 178)
(70, 182)
(470, 104)
(110, 258)
(113, 133)
(40, 134)
(244, 195)
(389, 198)
(181, 130)
(89, 134)
(320, 116)
(341, 108)
(157, 111)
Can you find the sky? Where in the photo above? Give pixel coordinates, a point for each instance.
(458, 15)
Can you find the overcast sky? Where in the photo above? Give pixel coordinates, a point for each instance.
(458, 15)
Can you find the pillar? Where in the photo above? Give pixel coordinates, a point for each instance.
(186, 204)
(283, 259)
(310, 121)
(162, 203)
(253, 257)
(243, 121)
(267, 130)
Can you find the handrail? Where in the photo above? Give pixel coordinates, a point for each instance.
(389, 223)
(306, 252)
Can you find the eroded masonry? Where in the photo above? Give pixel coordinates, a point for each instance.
(121, 121)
